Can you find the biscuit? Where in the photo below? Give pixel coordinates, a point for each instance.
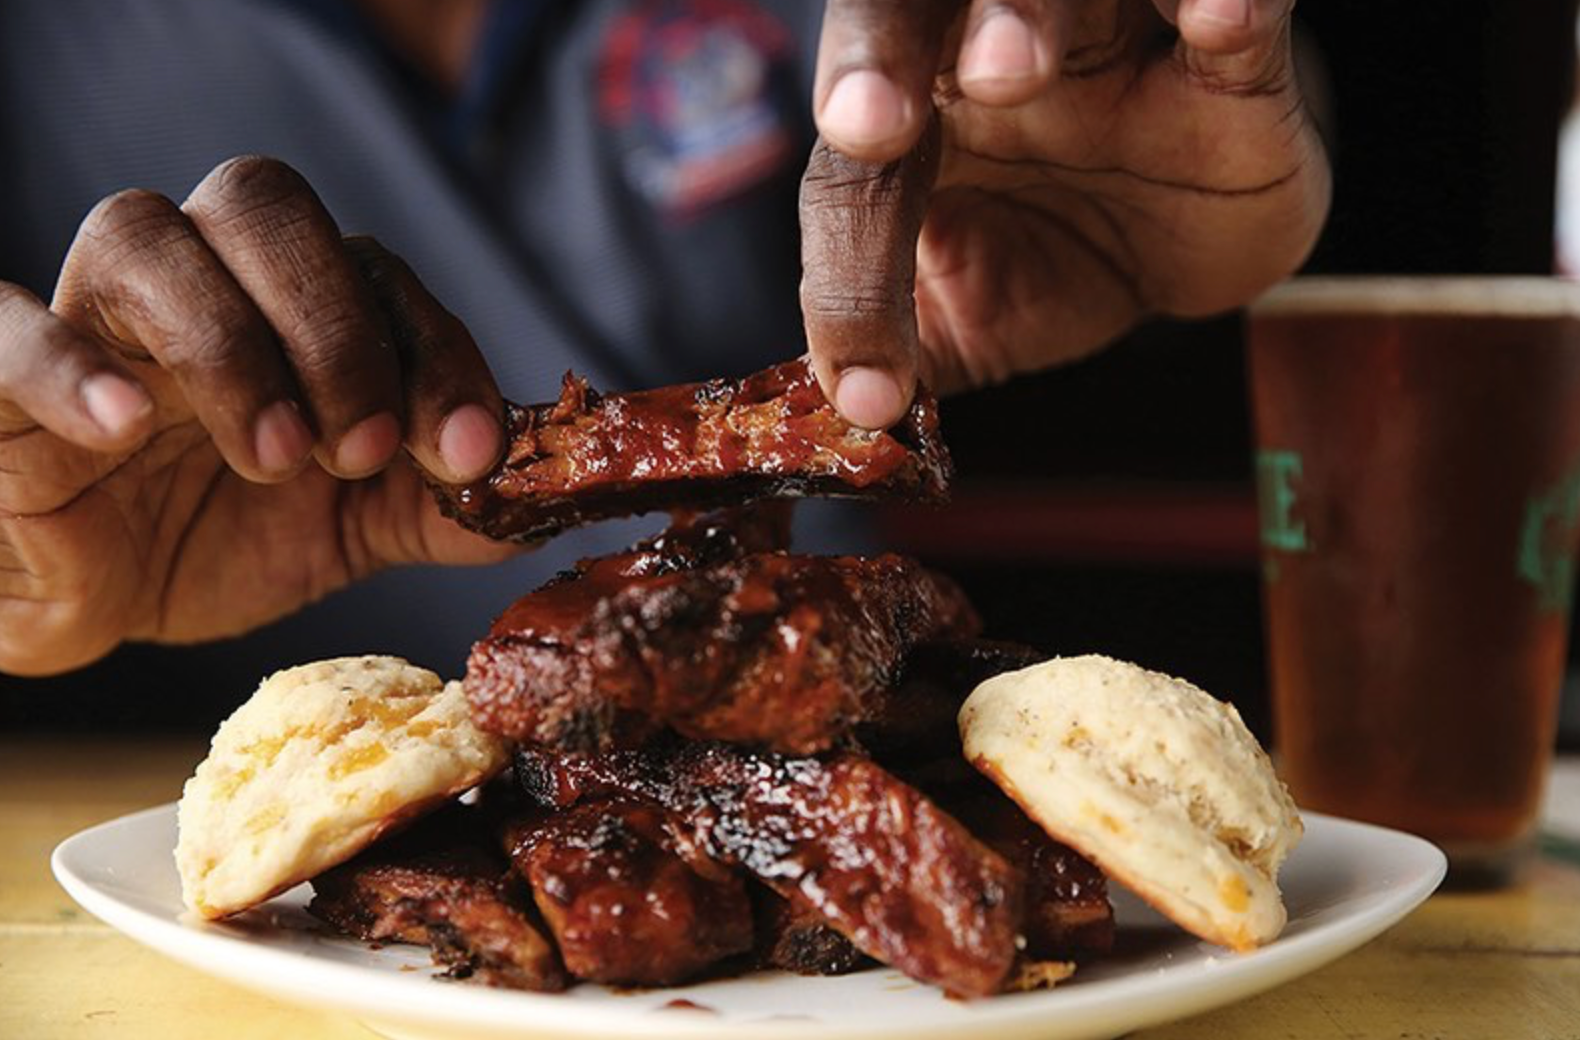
(1155, 781)
(320, 761)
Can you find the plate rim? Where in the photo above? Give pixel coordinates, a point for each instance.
(373, 994)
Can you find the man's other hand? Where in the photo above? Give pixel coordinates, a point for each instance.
(202, 432)
(1002, 185)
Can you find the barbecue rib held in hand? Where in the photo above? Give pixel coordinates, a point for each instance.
(873, 856)
(786, 651)
(592, 456)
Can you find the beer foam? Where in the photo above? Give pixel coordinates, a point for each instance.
(1459, 296)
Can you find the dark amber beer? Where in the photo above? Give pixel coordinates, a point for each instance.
(1418, 469)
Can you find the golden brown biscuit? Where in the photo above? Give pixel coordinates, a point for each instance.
(1155, 781)
(320, 761)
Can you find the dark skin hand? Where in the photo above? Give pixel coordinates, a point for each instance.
(1091, 162)
(203, 430)
(182, 428)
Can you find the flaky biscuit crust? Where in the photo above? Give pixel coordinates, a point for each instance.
(1154, 780)
(323, 759)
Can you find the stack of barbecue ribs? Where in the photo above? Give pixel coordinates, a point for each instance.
(730, 756)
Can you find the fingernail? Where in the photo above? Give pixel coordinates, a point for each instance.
(468, 441)
(865, 108)
(114, 403)
(1235, 13)
(281, 439)
(869, 398)
(1002, 47)
(367, 445)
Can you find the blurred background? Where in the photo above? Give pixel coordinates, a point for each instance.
(1127, 478)
(1109, 506)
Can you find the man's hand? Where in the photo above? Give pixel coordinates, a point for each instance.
(1090, 162)
(160, 422)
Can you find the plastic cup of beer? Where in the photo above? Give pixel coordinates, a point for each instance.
(1418, 475)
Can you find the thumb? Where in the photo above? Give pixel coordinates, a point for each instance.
(859, 225)
(1242, 45)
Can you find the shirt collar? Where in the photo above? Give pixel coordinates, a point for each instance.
(459, 122)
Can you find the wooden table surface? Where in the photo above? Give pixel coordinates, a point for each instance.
(1491, 966)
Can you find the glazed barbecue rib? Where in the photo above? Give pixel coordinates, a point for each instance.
(544, 650)
(838, 835)
(1068, 915)
(590, 456)
(786, 651)
(796, 938)
(437, 886)
(626, 902)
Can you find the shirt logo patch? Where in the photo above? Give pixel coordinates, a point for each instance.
(697, 92)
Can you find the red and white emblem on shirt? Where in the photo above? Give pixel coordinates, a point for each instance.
(699, 93)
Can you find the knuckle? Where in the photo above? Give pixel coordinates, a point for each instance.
(367, 250)
(840, 195)
(127, 221)
(832, 173)
(384, 272)
(1246, 75)
(257, 176)
(14, 304)
(263, 217)
(420, 327)
(247, 183)
(418, 335)
(831, 299)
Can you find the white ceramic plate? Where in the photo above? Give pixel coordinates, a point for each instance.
(1343, 885)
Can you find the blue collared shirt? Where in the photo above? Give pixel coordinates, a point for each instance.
(612, 190)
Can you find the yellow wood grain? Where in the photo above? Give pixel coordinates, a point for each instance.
(1503, 965)
(89, 982)
(52, 788)
(1482, 966)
